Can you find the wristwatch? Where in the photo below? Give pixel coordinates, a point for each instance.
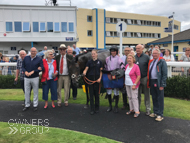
(134, 84)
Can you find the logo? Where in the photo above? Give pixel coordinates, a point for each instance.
(33, 126)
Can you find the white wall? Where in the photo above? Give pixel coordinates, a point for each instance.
(5, 46)
(12, 13)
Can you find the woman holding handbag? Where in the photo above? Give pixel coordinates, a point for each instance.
(49, 78)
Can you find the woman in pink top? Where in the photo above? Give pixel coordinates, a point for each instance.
(132, 82)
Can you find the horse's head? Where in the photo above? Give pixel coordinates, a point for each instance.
(75, 73)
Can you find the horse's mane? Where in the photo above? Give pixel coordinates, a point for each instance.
(81, 54)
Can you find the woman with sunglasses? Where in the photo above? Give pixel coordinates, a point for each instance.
(49, 78)
(186, 58)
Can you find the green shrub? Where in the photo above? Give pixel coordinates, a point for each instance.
(178, 87)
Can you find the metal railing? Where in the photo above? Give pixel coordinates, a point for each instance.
(174, 68)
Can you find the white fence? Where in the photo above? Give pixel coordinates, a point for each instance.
(174, 68)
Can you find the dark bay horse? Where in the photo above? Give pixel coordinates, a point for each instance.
(79, 63)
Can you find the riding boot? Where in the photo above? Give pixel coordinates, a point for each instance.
(116, 104)
(110, 103)
(106, 96)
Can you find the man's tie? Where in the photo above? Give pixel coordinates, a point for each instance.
(61, 66)
(150, 71)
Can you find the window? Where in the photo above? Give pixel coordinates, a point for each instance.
(89, 32)
(107, 20)
(111, 20)
(176, 27)
(89, 18)
(138, 22)
(138, 34)
(26, 27)
(159, 23)
(165, 45)
(116, 34)
(49, 26)
(159, 35)
(13, 48)
(111, 33)
(118, 20)
(42, 27)
(115, 20)
(71, 27)
(128, 34)
(108, 33)
(56, 27)
(64, 26)
(55, 48)
(129, 21)
(35, 27)
(18, 26)
(9, 27)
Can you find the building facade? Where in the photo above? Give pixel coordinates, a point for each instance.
(180, 43)
(23, 27)
(96, 28)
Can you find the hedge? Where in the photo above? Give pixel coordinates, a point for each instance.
(7, 82)
(177, 86)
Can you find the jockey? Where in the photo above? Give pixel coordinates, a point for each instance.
(113, 62)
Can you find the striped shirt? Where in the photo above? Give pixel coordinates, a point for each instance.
(19, 67)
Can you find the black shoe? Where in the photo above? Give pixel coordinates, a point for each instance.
(86, 106)
(109, 109)
(74, 98)
(115, 110)
(92, 112)
(25, 108)
(97, 111)
(35, 109)
(110, 103)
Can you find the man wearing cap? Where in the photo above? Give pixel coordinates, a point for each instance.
(113, 62)
(63, 62)
(162, 49)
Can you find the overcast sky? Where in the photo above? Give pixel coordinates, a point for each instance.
(152, 7)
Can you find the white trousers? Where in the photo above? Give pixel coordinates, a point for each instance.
(116, 91)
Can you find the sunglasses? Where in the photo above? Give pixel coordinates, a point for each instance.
(62, 49)
(187, 50)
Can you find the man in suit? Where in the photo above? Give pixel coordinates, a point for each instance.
(63, 63)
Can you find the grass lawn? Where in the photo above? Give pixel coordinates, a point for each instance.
(172, 107)
(47, 136)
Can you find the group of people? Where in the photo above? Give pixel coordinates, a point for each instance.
(7, 70)
(142, 75)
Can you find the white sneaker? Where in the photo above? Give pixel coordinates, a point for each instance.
(159, 118)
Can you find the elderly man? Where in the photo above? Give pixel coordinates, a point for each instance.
(19, 71)
(142, 61)
(157, 75)
(63, 62)
(76, 49)
(31, 66)
(74, 88)
(127, 51)
(69, 50)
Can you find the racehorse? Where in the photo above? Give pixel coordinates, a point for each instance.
(79, 63)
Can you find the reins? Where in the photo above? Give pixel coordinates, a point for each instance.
(90, 82)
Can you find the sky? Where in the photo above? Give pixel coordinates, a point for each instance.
(150, 7)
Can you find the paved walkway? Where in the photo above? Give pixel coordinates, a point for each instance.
(120, 127)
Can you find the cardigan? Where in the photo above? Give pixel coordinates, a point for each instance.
(45, 73)
(135, 71)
